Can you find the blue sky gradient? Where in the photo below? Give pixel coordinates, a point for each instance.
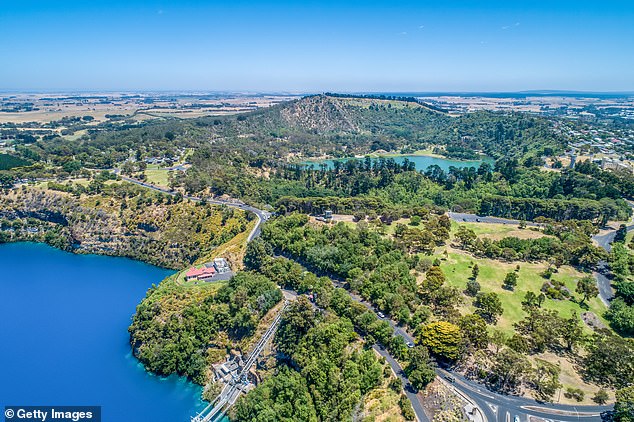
(312, 46)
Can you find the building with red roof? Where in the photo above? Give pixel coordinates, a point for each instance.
(200, 273)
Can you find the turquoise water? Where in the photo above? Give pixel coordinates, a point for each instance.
(420, 161)
(63, 324)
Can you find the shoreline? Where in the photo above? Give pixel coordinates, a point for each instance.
(420, 153)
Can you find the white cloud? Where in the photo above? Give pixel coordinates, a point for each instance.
(505, 27)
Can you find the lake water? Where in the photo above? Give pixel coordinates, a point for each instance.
(64, 339)
(420, 161)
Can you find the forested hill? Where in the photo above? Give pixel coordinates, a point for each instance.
(312, 126)
(341, 126)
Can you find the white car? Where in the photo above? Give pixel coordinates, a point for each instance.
(380, 314)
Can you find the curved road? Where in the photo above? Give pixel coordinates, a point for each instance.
(606, 293)
(496, 407)
(261, 215)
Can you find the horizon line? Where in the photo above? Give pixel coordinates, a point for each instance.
(539, 92)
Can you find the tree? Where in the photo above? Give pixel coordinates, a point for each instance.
(420, 370)
(542, 328)
(406, 408)
(574, 393)
(257, 254)
(546, 380)
(624, 406)
(298, 319)
(474, 331)
(466, 236)
(621, 316)
(601, 397)
(498, 339)
(72, 166)
(396, 385)
(572, 331)
(475, 271)
(508, 369)
(282, 397)
(620, 234)
(488, 307)
(610, 360)
(625, 289)
(434, 279)
(473, 287)
(510, 281)
(443, 339)
(128, 168)
(531, 301)
(588, 288)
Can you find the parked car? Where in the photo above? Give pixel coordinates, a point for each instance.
(380, 314)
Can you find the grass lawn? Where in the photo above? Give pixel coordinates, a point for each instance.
(457, 269)
(156, 175)
(495, 231)
(491, 231)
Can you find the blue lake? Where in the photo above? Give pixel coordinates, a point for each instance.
(63, 324)
(420, 161)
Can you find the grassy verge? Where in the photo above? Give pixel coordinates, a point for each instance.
(457, 268)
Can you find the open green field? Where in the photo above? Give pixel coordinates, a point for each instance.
(156, 175)
(496, 231)
(457, 268)
(491, 231)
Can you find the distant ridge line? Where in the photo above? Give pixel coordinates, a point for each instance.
(407, 99)
(500, 94)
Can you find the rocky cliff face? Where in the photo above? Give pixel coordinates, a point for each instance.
(142, 227)
(320, 113)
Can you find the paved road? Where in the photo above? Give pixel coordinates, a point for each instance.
(473, 218)
(261, 215)
(501, 408)
(407, 386)
(606, 293)
(605, 240)
(495, 407)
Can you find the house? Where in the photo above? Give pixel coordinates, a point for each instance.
(221, 265)
(200, 274)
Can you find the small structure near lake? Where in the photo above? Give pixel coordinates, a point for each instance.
(216, 270)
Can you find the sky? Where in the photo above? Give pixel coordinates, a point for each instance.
(316, 46)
